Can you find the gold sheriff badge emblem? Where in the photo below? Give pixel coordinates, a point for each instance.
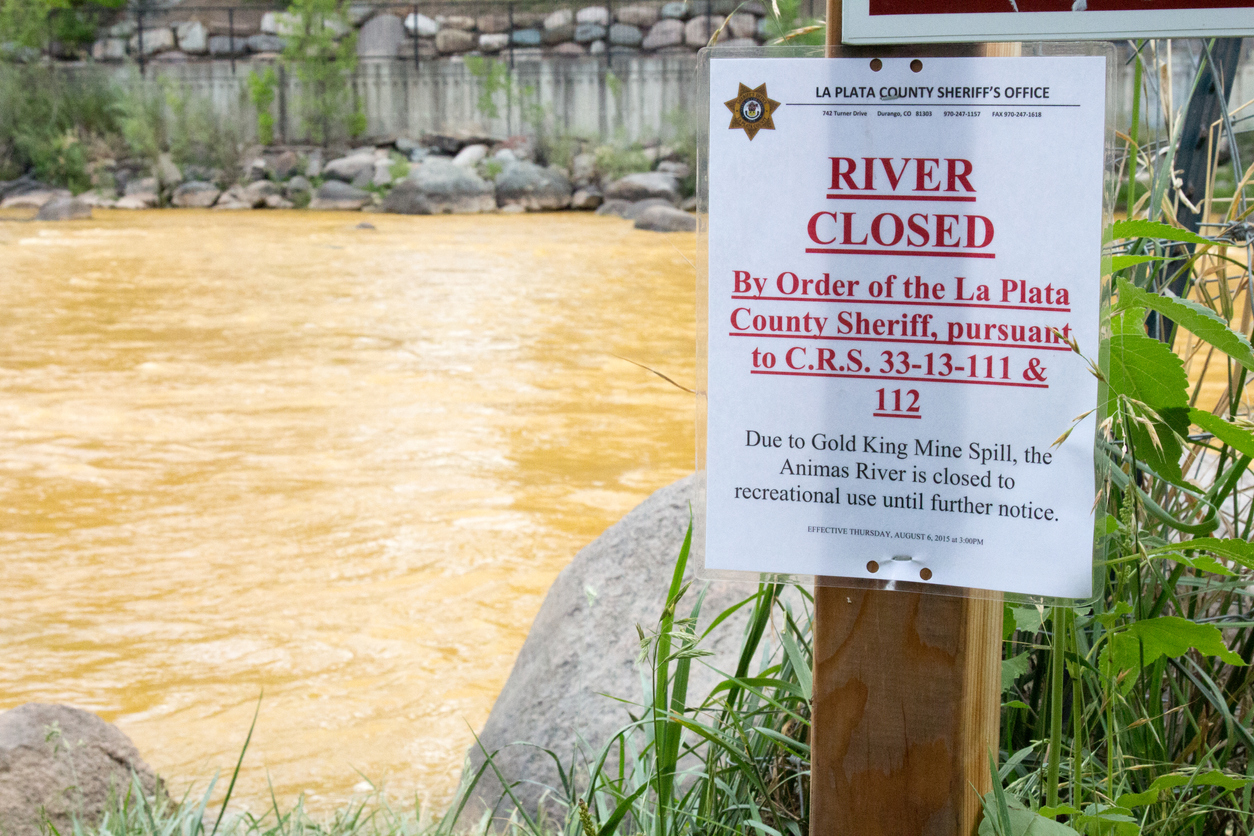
(751, 110)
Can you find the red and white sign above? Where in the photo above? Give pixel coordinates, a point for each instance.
(947, 21)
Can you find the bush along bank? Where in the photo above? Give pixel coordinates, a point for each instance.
(650, 185)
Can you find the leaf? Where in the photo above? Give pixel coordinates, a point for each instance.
(1007, 622)
(1104, 820)
(1128, 322)
(1023, 822)
(1198, 319)
(1238, 438)
(1240, 551)
(1123, 262)
(1168, 636)
(1153, 229)
(1013, 668)
(1214, 778)
(1146, 370)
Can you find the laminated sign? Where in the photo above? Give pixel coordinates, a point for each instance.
(902, 254)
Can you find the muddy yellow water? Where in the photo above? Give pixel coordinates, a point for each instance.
(273, 451)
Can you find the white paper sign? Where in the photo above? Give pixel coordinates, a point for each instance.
(893, 255)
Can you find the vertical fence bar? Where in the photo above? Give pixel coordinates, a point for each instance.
(416, 57)
(139, 36)
(230, 29)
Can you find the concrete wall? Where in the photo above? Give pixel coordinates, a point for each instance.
(442, 96)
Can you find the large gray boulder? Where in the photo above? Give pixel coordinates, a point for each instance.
(349, 168)
(583, 645)
(195, 194)
(62, 762)
(336, 195)
(64, 209)
(406, 198)
(644, 185)
(532, 187)
(449, 188)
(666, 219)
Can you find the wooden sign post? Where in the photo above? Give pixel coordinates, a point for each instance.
(907, 698)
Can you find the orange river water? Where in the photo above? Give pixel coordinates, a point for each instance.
(273, 451)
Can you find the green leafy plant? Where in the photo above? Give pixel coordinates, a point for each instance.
(261, 88)
(321, 51)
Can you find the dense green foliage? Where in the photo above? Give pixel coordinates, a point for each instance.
(321, 52)
(49, 120)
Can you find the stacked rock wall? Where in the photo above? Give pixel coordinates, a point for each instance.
(416, 32)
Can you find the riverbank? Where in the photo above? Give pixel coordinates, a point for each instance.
(433, 176)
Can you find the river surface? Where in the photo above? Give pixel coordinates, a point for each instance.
(271, 451)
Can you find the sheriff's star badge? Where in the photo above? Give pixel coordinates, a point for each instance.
(751, 110)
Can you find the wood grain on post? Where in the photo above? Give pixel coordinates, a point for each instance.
(907, 696)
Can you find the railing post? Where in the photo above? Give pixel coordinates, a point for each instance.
(230, 30)
(416, 57)
(139, 33)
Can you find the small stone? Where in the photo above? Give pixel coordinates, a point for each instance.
(559, 19)
(109, 49)
(666, 219)
(360, 13)
(265, 43)
(513, 209)
(286, 24)
(624, 34)
(64, 209)
(349, 168)
(192, 37)
(593, 14)
(596, 48)
(155, 40)
(168, 174)
(382, 173)
(493, 42)
(296, 185)
(493, 24)
(450, 41)
(742, 25)
(586, 199)
(526, 37)
(276, 201)
(637, 14)
(255, 194)
(224, 45)
(644, 185)
(689, 204)
(505, 155)
(313, 163)
(196, 194)
(570, 50)
(421, 25)
(665, 33)
(697, 32)
(336, 195)
(463, 22)
(614, 206)
(285, 165)
(381, 37)
(561, 34)
(365, 225)
(532, 187)
(679, 170)
(588, 32)
(470, 156)
(234, 198)
(676, 10)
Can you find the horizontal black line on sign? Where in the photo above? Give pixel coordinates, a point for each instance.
(923, 253)
(898, 197)
(882, 103)
(856, 376)
(893, 415)
(904, 303)
(937, 343)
